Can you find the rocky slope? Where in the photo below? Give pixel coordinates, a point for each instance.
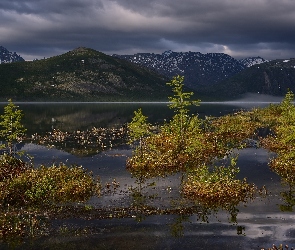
(198, 69)
(9, 57)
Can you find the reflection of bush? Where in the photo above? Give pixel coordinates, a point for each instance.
(83, 143)
(15, 225)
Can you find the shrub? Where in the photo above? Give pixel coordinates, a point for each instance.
(218, 188)
(48, 186)
(177, 145)
(11, 167)
(11, 128)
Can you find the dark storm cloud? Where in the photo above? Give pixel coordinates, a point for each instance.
(37, 28)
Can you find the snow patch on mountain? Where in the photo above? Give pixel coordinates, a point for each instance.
(250, 61)
(9, 57)
(197, 68)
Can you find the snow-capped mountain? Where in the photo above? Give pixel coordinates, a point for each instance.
(198, 69)
(9, 57)
(250, 61)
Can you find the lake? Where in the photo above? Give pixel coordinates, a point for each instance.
(260, 223)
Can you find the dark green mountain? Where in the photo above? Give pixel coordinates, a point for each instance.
(272, 78)
(81, 75)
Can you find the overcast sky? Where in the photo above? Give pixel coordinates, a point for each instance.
(240, 28)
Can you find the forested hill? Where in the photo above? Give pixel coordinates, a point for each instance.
(274, 78)
(81, 75)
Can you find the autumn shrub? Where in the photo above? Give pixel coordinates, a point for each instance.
(177, 144)
(231, 131)
(170, 152)
(284, 166)
(48, 186)
(11, 166)
(218, 188)
(282, 139)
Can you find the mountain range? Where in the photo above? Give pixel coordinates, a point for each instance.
(8, 57)
(220, 76)
(85, 74)
(198, 69)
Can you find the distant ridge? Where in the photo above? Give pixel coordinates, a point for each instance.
(274, 78)
(82, 74)
(198, 69)
(9, 57)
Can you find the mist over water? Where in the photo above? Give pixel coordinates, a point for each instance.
(255, 97)
(255, 100)
(251, 100)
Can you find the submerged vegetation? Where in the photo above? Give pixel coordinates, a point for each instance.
(82, 143)
(203, 152)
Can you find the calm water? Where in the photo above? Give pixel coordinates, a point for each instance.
(71, 116)
(260, 223)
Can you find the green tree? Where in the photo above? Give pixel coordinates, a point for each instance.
(138, 128)
(181, 102)
(11, 128)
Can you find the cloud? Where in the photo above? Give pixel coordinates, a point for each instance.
(38, 28)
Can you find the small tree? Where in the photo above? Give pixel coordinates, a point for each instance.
(139, 128)
(11, 129)
(180, 102)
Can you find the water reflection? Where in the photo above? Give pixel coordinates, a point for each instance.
(74, 127)
(82, 143)
(40, 117)
(289, 200)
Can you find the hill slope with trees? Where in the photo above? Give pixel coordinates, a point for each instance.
(274, 78)
(80, 75)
